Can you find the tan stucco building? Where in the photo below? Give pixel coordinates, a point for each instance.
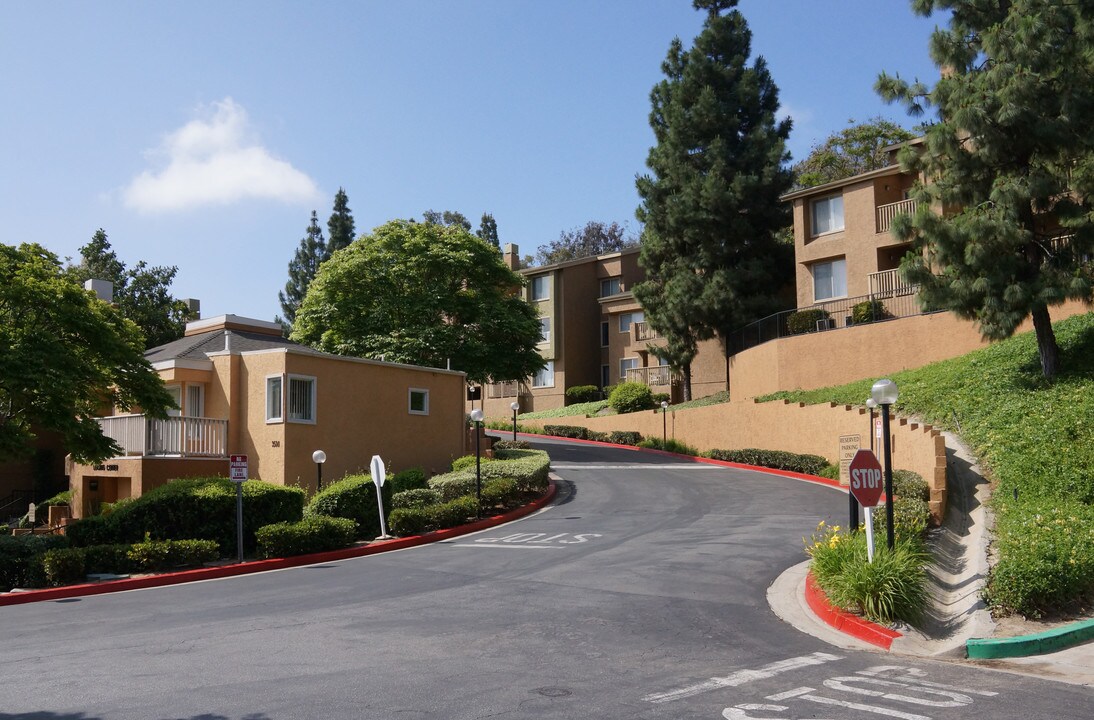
(243, 389)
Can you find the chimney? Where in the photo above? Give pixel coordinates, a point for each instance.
(511, 256)
(228, 341)
(103, 289)
(193, 307)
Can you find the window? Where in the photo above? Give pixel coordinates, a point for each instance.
(175, 391)
(609, 287)
(419, 401)
(626, 364)
(195, 400)
(544, 330)
(301, 399)
(545, 377)
(829, 280)
(828, 215)
(604, 334)
(273, 398)
(539, 287)
(627, 319)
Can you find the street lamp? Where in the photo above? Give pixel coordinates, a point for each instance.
(870, 405)
(514, 406)
(319, 457)
(476, 417)
(664, 425)
(884, 393)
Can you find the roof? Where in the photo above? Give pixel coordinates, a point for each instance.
(201, 345)
(829, 186)
(536, 269)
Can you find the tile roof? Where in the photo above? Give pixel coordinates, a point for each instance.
(198, 347)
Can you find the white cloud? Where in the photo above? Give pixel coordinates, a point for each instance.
(216, 161)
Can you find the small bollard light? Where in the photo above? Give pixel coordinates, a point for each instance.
(514, 406)
(318, 457)
(476, 417)
(884, 393)
(664, 425)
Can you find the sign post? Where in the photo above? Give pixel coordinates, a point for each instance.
(379, 475)
(866, 485)
(848, 446)
(238, 467)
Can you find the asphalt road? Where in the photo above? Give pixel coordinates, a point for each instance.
(640, 593)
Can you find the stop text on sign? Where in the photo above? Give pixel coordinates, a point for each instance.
(867, 478)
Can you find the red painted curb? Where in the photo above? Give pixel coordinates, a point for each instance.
(845, 622)
(254, 566)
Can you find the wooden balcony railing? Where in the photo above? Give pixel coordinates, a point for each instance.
(885, 213)
(495, 391)
(173, 436)
(888, 283)
(652, 376)
(642, 332)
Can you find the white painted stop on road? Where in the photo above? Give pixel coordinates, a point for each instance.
(866, 481)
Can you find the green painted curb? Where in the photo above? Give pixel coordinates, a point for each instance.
(1046, 642)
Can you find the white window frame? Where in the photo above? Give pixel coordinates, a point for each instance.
(632, 362)
(424, 392)
(546, 289)
(175, 391)
(544, 330)
(280, 417)
(631, 318)
(288, 397)
(605, 334)
(610, 283)
(827, 203)
(548, 374)
(842, 262)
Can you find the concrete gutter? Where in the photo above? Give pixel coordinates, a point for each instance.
(1025, 645)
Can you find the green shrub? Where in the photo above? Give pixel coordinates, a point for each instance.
(893, 587)
(596, 435)
(192, 508)
(804, 321)
(152, 555)
(416, 498)
(528, 467)
(578, 409)
(624, 437)
(670, 445)
(466, 461)
(776, 459)
(869, 311)
(353, 498)
(907, 483)
(830, 471)
(109, 559)
(628, 397)
(21, 559)
(64, 566)
(414, 521)
(501, 445)
(502, 493)
(409, 479)
(313, 534)
(582, 394)
(566, 431)
(659, 398)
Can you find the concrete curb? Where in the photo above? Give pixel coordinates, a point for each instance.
(845, 622)
(1037, 644)
(246, 568)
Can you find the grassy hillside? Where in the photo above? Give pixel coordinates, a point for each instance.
(1033, 438)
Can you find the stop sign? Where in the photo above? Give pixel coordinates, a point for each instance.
(866, 482)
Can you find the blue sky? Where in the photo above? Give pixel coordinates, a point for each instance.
(202, 134)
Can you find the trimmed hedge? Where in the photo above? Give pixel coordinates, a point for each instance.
(21, 559)
(192, 508)
(576, 432)
(628, 397)
(64, 566)
(414, 521)
(466, 461)
(354, 498)
(582, 394)
(776, 459)
(670, 445)
(624, 437)
(416, 498)
(804, 321)
(313, 534)
(528, 467)
(511, 445)
(869, 311)
(409, 479)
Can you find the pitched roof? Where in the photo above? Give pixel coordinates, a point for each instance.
(200, 346)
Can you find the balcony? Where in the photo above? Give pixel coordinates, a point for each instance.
(884, 214)
(511, 389)
(652, 376)
(171, 437)
(643, 332)
(887, 284)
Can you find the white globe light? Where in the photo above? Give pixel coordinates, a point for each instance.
(884, 392)
(319, 457)
(476, 416)
(514, 406)
(664, 404)
(871, 403)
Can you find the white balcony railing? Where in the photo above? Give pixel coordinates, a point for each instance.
(886, 213)
(173, 436)
(652, 376)
(503, 390)
(642, 332)
(888, 283)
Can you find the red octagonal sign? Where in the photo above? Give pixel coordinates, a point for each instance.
(866, 482)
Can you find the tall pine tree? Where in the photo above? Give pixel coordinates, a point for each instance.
(311, 253)
(488, 230)
(711, 203)
(1011, 159)
(340, 228)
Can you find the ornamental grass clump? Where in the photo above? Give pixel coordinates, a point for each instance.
(893, 587)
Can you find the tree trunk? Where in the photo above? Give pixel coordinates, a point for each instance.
(1046, 341)
(687, 382)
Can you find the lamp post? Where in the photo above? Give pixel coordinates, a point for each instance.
(870, 405)
(319, 457)
(664, 425)
(884, 393)
(514, 406)
(476, 417)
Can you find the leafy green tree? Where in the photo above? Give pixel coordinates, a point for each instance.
(447, 218)
(340, 226)
(305, 263)
(488, 230)
(596, 238)
(426, 294)
(853, 150)
(142, 293)
(1011, 159)
(711, 205)
(65, 356)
